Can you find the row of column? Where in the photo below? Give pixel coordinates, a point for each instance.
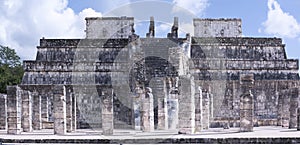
(29, 110)
(34, 109)
(24, 110)
(180, 109)
(193, 113)
(155, 96)
(288, 106)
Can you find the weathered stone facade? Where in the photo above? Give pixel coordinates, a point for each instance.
(108, 80)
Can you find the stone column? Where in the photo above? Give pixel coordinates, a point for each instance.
(50, 106)
(279, 108)
(59, 112)
(298, 119)
(37, 115)
(137, 108)
(198, 110)
(3, 112)
(14, 102)
(173, 108)
(158, 86)
(205, 109)
(74, 114)
(107, 111)
(172, 113)
(187, 105)
(147, 112)
(26, 111)
(246, 104)
(69, 111)
(285, 108)
(162, 115)
(293, 107)
(44, 108)
(211, 107)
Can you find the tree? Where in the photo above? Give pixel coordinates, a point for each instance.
(11, 71)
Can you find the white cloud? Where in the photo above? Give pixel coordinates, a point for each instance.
(23, 23)
(280, 23)
(197, 7)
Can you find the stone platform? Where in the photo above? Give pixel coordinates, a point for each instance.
(270, 134)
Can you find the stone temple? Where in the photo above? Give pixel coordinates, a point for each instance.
(115, 79)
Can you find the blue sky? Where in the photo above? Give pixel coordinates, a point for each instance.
(23, 23)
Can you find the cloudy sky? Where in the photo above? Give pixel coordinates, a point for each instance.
(23, 23)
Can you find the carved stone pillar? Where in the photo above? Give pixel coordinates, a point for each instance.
(294, 98)
(14, 102)
(174, 30)
(205, 109)
(187, 105)
(162, 114)
(37, 114)
(198, 110)
(279, 108)
(74, 114)
(59, 106)
(69, 110)
(151, 32)
(26, 111)
(246, 104)
(173, 108)
(211, 107)
(158, 86)
(298, 119)
(147, 112)
(44, 108)
(107, 111)
(137, 108)
(285, 108)
(3, 112)
(50, 106)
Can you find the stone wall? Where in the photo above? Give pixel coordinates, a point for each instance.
(217, 27)
(245, 48)
(109, 27)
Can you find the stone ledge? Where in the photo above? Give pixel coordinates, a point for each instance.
(287, 140)
(238, 41)
(266, 134)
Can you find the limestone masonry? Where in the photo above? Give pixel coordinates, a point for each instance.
(115, 79)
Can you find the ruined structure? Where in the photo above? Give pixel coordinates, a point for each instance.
(114, 79)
